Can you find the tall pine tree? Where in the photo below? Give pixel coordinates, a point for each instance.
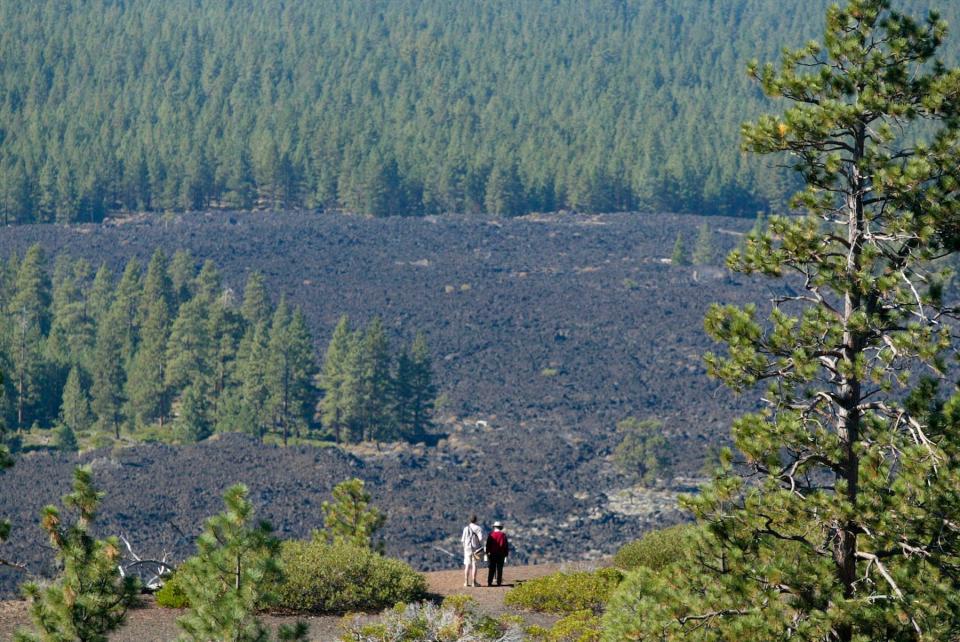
(838, 523)
(147, 390)
(28, 312)
(75, 407)
(334, 412)
(289, 370)
(108, 369)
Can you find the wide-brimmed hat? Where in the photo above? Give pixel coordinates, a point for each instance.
(498, 524)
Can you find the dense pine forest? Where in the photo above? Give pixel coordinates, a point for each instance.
(400, 107)
(168, 353)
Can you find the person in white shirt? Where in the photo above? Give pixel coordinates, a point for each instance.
(472, 540)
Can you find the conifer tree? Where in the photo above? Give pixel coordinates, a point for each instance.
(8, 271)
(252, 380)
(640, 452)
(352, 387)
(14, 193)
(289, 370)
(28, 311)
(590, 191)
(208, 285)
(193, 415)
(189, 346)
(703, 252)
(303, 370)
(423, 388)
(382, 189)
(127, 301)
(75, 408)
(90, 598)
(100, 296)
(65, 439)
(147, 391)
(276, 369)
(225, 327)
(157, 285)
(72, 330)
(413, 390)
(403, 392)
(231, 576)
(373, 414)
(503, 188)
(447, 191)
(679, 256)
(256, 303)
(240, 193)
(108, 372)
(46, 192)
(182, 270)
(349, 517)
(838, 524)
(333, 380)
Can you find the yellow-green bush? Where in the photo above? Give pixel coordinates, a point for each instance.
(336, 578)
(566, 592)
(171, 595)
(657, 549)
(579, 626)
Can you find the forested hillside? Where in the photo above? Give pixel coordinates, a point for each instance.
(399, 107)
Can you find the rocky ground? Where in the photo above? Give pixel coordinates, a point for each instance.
(546, 331)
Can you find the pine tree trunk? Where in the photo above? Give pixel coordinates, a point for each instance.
(848, 428)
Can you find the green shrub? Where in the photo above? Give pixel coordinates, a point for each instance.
(171, 595)
(566, 592)
(642, 451)
(64, 439)
(335, 578)
(657, 549)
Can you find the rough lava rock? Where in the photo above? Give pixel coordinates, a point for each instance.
(545, 330)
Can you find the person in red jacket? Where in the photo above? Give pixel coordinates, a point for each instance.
(497, 549)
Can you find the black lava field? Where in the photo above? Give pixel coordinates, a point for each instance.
(545, 331)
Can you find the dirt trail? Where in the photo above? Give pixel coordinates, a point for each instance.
(153, 624)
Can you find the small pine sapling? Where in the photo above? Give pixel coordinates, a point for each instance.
(90, 598)
(349, 517)
(229, 577)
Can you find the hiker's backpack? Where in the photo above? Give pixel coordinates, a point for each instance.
(475, 542)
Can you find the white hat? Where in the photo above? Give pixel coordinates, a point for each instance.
(498, 524)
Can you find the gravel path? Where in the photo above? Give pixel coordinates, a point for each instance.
(152, 624)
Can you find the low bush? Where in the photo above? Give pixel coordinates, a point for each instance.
(171, 595)
(456, 620)
(565, 593)
(335, 578)
(657, 549)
